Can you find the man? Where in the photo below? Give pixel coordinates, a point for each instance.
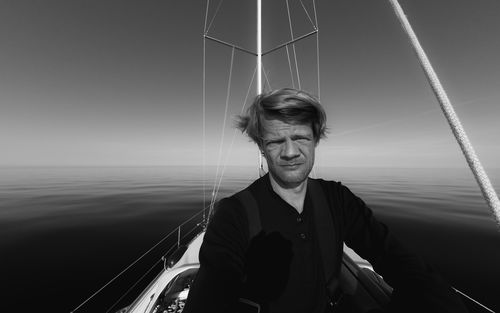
(293, 264)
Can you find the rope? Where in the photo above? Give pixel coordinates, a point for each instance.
(212, 202)
(470, 155)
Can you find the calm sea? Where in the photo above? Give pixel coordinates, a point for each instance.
(65, 232)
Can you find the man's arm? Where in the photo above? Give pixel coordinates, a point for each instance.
(417, 286)
(217, 284)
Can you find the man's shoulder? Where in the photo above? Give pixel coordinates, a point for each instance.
(334, 188)
(233, 203)
(227, 216)
(326, 183)
(259, 183)
(227, 206)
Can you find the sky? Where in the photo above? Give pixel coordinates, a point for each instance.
(120, 83)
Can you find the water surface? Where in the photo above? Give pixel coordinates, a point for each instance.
(65, 232)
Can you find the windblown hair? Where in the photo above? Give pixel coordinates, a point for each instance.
(288, 105)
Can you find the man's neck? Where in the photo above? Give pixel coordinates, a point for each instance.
(294, 195)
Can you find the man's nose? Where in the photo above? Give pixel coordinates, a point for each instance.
(290, 150)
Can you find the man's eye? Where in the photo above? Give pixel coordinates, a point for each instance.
(303, 140)
(273, 143)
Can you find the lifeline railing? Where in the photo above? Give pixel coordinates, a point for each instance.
(181, 238)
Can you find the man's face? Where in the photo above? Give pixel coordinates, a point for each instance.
(289, 151)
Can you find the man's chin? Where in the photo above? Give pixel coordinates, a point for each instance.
(291, 178)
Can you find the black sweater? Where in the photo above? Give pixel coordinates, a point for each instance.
(282, 267)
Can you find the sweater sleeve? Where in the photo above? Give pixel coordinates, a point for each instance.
(218, 282)
(417, 286)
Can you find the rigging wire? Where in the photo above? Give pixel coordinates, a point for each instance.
(315, 15)
(290, 66)
(401, 119)
(136, 260)
(207, 29)
(164, 258)
(317, 49)
(204, 148)
(133, 285)
(474, 300)
(307, 13)
(212, 202)
(267, 78)
(296, 65)
(234, 133)
(480, 175)
(293, 44)
(206, 17)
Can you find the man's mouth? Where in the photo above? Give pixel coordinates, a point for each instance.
(291, 165)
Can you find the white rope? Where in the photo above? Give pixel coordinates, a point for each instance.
(482, 179)
(212, 202)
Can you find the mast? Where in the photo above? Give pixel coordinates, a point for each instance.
(259, 70)
(259, 47)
